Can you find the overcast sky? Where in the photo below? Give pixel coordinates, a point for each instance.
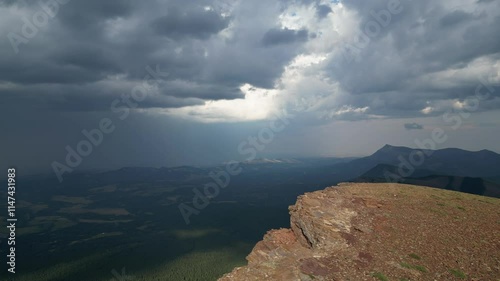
(351, 75)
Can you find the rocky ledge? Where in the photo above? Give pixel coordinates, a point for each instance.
(381, 232)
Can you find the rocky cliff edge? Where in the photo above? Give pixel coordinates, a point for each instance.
(381, 232)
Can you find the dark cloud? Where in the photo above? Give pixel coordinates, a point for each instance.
(182, 89)
(395, 72)
(197, 23)
(323, 10)
(284, 36)
(413, 126)
(455, 17)
(87, 15)
(91, 42)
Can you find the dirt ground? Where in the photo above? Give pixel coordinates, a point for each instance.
(416, 233)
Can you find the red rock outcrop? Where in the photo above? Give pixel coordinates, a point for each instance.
(375, 231)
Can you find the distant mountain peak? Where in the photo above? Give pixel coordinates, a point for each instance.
(486, 151)
(389, 146)
(391, 149)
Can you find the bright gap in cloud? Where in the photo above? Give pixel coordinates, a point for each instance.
(257, 105)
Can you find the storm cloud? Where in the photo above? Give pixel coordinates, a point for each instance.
(235, 64)
(284, 36)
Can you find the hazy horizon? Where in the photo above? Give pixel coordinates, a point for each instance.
(83, 169)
